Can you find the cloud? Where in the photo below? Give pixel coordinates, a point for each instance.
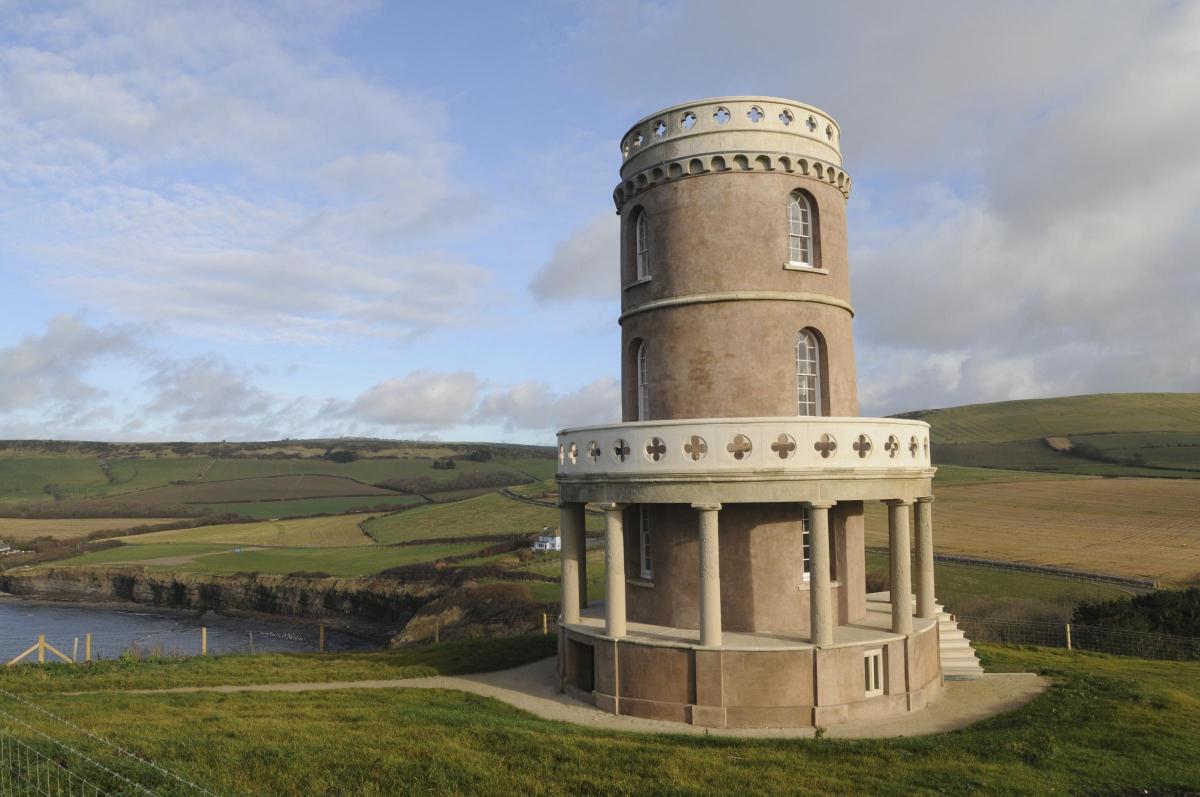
(49, 369)
(535, 405)
(207, 389)
(420, 399)
(224, 171)
(584, 266)
(1027, 179)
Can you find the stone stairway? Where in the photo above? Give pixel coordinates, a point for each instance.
(959, 662)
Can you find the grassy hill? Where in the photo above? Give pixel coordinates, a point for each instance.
(1108, 434)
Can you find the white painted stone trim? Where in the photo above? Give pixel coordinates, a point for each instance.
(707, 446)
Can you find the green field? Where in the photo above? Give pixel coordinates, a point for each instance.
(491, 514)
(1070, 415)
(1106, 726)
(220, 559)
(304, 507)
(1114, 434)
(339, 531)
(26, 478)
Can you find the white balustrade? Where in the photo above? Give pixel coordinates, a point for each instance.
(745, 445)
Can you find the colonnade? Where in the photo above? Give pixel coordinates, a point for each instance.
(821, 611)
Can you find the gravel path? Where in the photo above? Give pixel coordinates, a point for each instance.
(533, 689)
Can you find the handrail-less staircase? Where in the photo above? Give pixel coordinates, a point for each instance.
(959, 662)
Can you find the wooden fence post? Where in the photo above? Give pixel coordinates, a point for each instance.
(545, 624)
(203, 640)
(321, 638)
(1068, 636)
(251, 643)
(87, 646)
(41, 648)
(75, 650)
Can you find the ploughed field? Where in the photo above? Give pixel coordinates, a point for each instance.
(1135, 527)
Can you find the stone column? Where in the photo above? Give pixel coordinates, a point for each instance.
(614, 561)
(570, 530)
(710, 576)
(925, 594)
(820, 592)
(898, 534)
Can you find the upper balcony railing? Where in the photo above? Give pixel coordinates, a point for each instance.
(733, 446)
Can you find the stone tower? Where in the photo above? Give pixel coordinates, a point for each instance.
(734, 489)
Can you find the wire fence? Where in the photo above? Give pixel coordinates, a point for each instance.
(41, 754)
(1097, 639)
(79, 646)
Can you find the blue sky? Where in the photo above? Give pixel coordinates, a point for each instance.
(245, 220)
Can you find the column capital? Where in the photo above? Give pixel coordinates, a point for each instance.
(706, 507)
(612, 507)
(821, 504)
(925, 499)
(898, 501)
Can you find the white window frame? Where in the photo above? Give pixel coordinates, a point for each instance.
(873, 672)
(805, 546)
(643, 383)
(808, 374)
(800, 229)
(641, 245)
(645, 560)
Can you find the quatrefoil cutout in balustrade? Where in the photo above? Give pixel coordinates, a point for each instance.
(620, 449)
(573, 453)
(892, 446)
(562, 454)
(926, 448)
(740, 446)
(656, 449)
(784, 446)
(826, 446)
(863, 446)
(593, 451)
(695, 448)
(914, 446)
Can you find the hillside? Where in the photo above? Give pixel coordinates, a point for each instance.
(1069, 415)
(1108, 434)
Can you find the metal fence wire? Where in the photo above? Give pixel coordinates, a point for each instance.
(1097, 639)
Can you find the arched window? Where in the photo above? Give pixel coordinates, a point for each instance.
(643, 383)
(808, 374)
(800, 238)
(641, 244)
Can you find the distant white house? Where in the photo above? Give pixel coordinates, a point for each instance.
(548, 540)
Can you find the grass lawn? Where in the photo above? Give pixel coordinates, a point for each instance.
(487, 514)
(448, 658)
(342, 530)
(1106, 726)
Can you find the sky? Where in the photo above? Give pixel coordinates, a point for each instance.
(241, 221)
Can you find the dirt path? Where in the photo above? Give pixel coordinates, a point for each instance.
(533, 688)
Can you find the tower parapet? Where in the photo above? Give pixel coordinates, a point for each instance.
(731, 133)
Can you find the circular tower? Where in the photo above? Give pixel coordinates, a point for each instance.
(734, 489)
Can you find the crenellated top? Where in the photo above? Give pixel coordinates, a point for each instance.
(731, 134)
